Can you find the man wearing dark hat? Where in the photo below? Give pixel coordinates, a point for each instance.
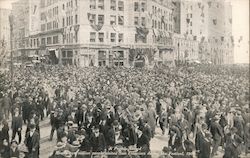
(97, 140)
(32, 141)
(217, 133)
(16, 125)
(233, 149)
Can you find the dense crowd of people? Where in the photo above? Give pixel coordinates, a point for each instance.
(198, 108)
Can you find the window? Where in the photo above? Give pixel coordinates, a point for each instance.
(76, 2)
(191, 15)
(101, 37)
(69, 54)
(64, 54)
(120, 37)
(92, 19)
(100, 19)
(49, 40)
(121, 20)
(31, 43)
(153, 23)
(55, 25)
(76, 36)
(92, 36)
(71, 20)
(120, 5)
(63, 22)
(43, 27)
(143, 6)
(112, 20)
(136, 21)
(101, 4)
(136, 6)
(143, 21)
(113, 4)
(92, 4)
(55, 39)
(191, 24)
(113, 37)
(49, 26)
(191, 32)
(76, 18)
(43, 42)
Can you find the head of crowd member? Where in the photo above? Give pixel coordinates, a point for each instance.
(32, 127)
(96, 131)
(14, 144)
(16, 112)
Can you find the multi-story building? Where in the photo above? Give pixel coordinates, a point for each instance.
(4, 35)
(220, 32)
(200, 19)
(100, 33)
(185, 48)
(25, 29)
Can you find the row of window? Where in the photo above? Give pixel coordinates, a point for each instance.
(70, 38)
(94, 4)
(50, 14)
(69, 20)
(99, 37)
(50, 40)
(100, 19)
(49, 2)
(113, 5)
(49, 26)
(140, 21)
(184, 42)
(160, 13)
(161, 25)
(33, 43)
(113, 20)
(139, 7)
(70, 4)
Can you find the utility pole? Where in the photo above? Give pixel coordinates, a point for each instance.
(11, 47)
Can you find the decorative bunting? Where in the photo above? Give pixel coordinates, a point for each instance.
(93, 25)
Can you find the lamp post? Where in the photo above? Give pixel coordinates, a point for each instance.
(11, 17)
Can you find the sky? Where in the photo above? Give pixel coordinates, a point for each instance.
(240, 22)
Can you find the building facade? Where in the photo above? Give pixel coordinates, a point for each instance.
(4, 36)
(186, 48)
(200, 19)
(97, 32)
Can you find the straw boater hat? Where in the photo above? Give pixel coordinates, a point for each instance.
(60, 145)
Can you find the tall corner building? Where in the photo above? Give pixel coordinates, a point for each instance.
(210, 23)
(96, 32)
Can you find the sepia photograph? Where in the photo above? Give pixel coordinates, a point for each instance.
(124, 79)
